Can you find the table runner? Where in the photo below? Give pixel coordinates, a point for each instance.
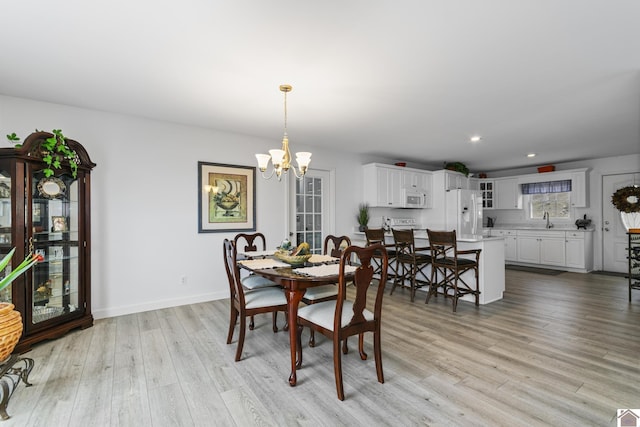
(261, 263)
(324, 270)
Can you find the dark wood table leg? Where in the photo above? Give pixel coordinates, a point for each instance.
(293, 299)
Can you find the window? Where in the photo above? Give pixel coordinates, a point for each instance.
(557, 204)
(553, 197)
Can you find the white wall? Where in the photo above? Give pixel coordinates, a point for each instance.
(144, 201)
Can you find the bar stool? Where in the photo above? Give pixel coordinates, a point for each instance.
(375, 236)
(446, 259)
(410, 261)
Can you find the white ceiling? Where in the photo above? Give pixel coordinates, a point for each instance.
(409, 80)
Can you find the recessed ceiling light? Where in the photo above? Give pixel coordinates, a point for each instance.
(531, 155)
(475, 138)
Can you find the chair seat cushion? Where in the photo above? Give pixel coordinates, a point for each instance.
(264, 297)
(256, 282)
(462, 262)
(320, 292)
(322, 314)
(420, 258)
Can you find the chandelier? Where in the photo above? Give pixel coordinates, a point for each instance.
(281, 158)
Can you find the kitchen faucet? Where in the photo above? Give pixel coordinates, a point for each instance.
(546, 216)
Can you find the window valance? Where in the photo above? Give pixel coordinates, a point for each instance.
(547, 187)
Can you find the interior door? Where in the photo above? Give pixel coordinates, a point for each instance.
(614, 237)
(312, 209)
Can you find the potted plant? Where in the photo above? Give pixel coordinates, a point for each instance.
(53, 151)
(627, 201)
(458, 167)
(363, 216)
(10, 319)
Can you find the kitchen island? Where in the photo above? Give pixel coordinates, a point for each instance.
(491, 272)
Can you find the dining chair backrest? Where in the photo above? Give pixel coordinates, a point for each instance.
(233, 274)
(245, 242)
(335, 245)
(362, 281)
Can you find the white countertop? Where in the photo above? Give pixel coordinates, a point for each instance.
(525, 227)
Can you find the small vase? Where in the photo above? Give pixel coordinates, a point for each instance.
(363, 228)
(631, 221)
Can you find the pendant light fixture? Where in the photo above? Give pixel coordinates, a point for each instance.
(281, 158)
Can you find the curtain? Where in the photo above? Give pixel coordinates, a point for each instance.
(547, 187)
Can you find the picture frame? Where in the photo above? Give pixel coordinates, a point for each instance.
(226, 198)
(59, 223)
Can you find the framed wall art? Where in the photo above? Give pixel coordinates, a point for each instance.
(226, 198)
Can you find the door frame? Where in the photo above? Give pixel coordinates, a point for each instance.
(328, 207)
(609, 246)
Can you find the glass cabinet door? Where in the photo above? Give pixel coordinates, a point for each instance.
(55, 236)
(5, 227)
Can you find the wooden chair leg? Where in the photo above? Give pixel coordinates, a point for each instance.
(243, 325)
(233, 318)
(337, 368)
(251, 324)
(275, 322)
(345, 348)
(363, 355)
(312, 338)
(377, 355)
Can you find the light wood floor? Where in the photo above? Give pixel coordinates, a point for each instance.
(557, 350)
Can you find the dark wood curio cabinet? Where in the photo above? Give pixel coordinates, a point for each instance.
(50, 216)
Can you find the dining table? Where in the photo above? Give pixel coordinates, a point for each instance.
(295, 280)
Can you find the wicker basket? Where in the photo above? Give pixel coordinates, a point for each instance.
(10, 329)
(290, 259)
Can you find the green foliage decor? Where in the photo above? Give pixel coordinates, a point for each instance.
(54, 150)
(363, 214)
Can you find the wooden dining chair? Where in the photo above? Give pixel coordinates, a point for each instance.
(451, 263)
(245, 242)
(249, 242)
(246, 303)
(343, 317)
(333, 246)
(410, 262)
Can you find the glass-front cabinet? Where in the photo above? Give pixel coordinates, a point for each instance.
(49, 216)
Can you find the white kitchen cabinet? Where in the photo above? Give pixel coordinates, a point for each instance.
(416, 179)
(552, 250)
(579, 189)
(507, 193)
(487, 188)
(579, 250)
(546, 247)
(510, 243)
(382, 185)
(455, 180)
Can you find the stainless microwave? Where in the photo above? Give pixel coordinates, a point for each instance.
(413, 198)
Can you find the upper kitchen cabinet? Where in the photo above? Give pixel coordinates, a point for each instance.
(487, 188)
(579, 194)
(382, 185)
(455, 180)
(389, 186)
(507, 193)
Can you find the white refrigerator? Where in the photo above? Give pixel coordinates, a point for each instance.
(463, 212)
